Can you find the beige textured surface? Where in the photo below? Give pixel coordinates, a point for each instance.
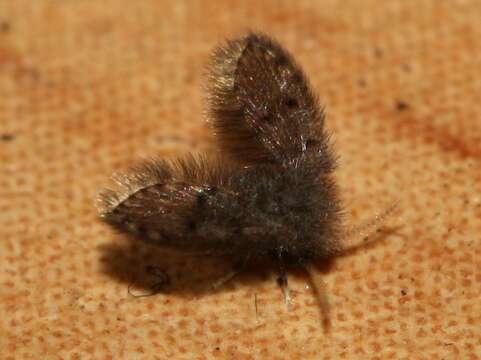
(87, 87)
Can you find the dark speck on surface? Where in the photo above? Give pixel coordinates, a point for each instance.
(406, 68)
(4, 26)
(402, 106)
(7, 137)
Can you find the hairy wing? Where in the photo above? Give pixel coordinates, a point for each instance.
(197, 206)
(261, 104)
(178, 205)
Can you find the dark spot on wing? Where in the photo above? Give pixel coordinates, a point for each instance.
(291, 103)
(311, 143)
(191, 225)
(267, 118)
(281, 60)
(204, 194)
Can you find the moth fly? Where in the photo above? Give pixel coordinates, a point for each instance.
(268, 194)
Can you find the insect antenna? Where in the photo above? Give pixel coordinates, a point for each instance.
(361, 234)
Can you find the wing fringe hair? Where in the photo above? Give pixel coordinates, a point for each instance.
(200, 170)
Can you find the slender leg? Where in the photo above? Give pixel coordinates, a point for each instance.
(255, 307)
(231, 274)
(321, 294)
(224, 279)
(163, 280)
(283, 282)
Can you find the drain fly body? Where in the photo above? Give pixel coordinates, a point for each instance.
(270, 194)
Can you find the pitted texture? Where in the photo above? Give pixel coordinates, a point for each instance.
(87, 88)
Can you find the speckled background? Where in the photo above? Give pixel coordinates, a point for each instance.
(88, 87)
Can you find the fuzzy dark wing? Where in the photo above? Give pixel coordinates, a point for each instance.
(261, 104)
(174, 205)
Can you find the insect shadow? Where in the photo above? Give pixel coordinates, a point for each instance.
(148, 270)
